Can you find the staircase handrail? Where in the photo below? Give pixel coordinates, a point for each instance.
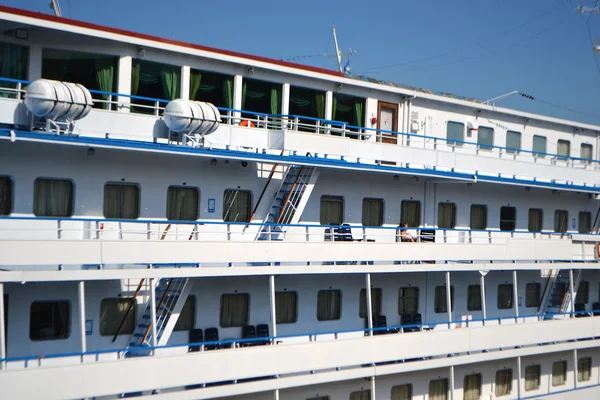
(287, 197)
(157, 308)
(264, 190)
(548, 289)
(567, 297)
(129, 307)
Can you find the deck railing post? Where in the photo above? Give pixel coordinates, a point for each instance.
(369, 302)
(571, 293)
(515, 295)
(81, 293)
(153, 314)
(273, 309)
(2, 329)
(448, 298)
(483, 304)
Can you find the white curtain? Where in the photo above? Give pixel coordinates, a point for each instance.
(234, 310)
(53, 198)
(503, 382)
(329, 305)
(586, 151)
(286, 306)
(438, 389)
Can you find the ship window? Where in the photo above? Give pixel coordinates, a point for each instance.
(446, 215)
(472, 387)
(332, 210)
(508, 218)
(585, 222)
(53, 198)
(286, 307)
(583, 292)
(113, 313)
(6, 195)
(439, 305)
(455, 133)
(474, 298)
(532, 295)
(532, 377)
(438, 389)
(372, 212)
(505, 296)
(410, 212)
(587, 151)
(376, 295)
(485, 138)
(402, 392)
(235, 308)
(348, 109)
(211, 87)
(539, 146)
(478, 216)
(153, 80)
(559, 373)
(561, 220)
(182, 203)
(361, 395)
(308, 103)
(121, 200)
(329, 305)
(237, 205)
(584, 369)
(561, 290)
(563, 148)
(260, 96)
(49, 320)
(187, 316)
(408, 300)
(503, 382)
(513, 142)
(535, 222)
(319, 398)
(13, 64)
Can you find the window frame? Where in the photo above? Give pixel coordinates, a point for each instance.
(227, 208)
(404, 218)
(245, 312)
(125, 330)
(529, 221)
(196, 208)
(591, 151)
(536, 383)
(338, 313)
(502, 371)
(585, 369)
(503, 222)
(277, 308)
(537, 153)
(331, 199)
(559, 380)
(485, 146)
(485, 208)
(455, 141)
(379, 218)
(138, 205)
(530, 293)
(70, 211)
(477, 379)
(407, 385)
(453, 208)
(563, 156)
(446, 384)
(514, 149)
(557, 221)
(7, 208)
(39, 337)
(402, 297)
(501, 296)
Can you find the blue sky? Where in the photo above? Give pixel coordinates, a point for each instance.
(474, 48)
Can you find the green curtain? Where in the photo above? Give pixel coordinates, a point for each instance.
(410, 212)
(446, 215)
(195, 79)
(243, 95)
(472, 387)
(105, 73)
(13, 63)
(228, 92)
(275, 103)
(358, 110)
(320, 105)
(170, 81)
(135, 77)
(333, 108)
(535, 222)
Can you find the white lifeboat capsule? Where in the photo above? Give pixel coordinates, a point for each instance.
(192, 117)
(58, 100)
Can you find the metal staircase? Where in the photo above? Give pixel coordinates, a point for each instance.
(557, 297)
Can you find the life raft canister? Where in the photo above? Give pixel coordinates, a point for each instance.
(247, 123)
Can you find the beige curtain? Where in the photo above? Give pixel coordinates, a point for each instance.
(121, 201)
(474, 298)
(536, 218)
(234, 310)
(372, 212)
(329, 305)
(587, 151)
(561, 221)
(438, 389)
(584, 367)
(182, 203)
(286, 306)
(410, 212)
(503, 382)
(237, 205)
(402, 392)
(563, 148)
(187, 316)
(559, 373)
(532, 377)
(472, 387)
(478, 216)
(53, 198)
(112, 312)
(446, 215)
(375, 302)
(361, 395)
(408, 300)
(332, 210)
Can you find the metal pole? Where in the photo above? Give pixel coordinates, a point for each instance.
(571, 293)
(276, 394)
(369, 301)
(448, 298)
(373, 388)
(452, 383)
(81, 292)
(2, 328)
(575, 368)
(153, 313)
(483, 305)
(515, 295)
(273, 309)
(519, 377)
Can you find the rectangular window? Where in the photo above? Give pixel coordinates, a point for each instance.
(13, 64)
(478, 216)
(187, 317)
(472, 387)
(361, 395)
(6, 194)
(121, 200)
(49, 320)
(532, 295)
(439, 303)
(402, 392)
(332, 210)
(536, 220)
(513, 142)
(408, 300)
(585, 222)
(53, 197)
(563, 148)
(508, 218)
(455, 133)
(372, 212)
(474, 298)
(505, 296)
(587, 151)
(503, 382)
(376, 295)
(446, 215)
(286, 306)
(329, 305)
(485, 137)
(410, 212)
(539, 146)
(237, 205)
(235, 308)
(584, 369)
(438, 389)
(113, 312)
(559, 373)
(532, 377)
(583, 293)
(182, 203)
(153, 80)
(561, 220)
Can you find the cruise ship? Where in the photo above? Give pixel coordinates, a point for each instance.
(185, 222)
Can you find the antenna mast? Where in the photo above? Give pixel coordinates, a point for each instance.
(338, 53)
(55, 7)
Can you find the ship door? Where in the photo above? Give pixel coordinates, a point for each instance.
(387, 120)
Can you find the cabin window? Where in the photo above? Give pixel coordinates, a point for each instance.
(329, 305)
(187, 316)
(361, 395)
(376, 295)
(121, 200)
(260, 96)
(155, 81)
(53, 197)
(585, 222)
(539, 146)
(513, 142)
(408, 300)
(372, 212)
(503, 382)
(584, 369)
(563, 148)
(485, 138)
(508, 218)
(13, 65)
(410, 212)
(505, 296)
(478, 216)
(532, 295)
(6, 194)
(583, 292)
(535, 222)
(446, 215)
(235, 308)
(455, 133)
(49, 320)
(307, 103)
(182, 203)
(532, 377)
(319, 398)
(472, 387)
(439, 303)
(561, 220)
(211, 87)
(402, 392)
(587, 151)
(348, 109)
(561, 290)
(438, 389)
(237, 205)
(332, 210)
(474, 298)
(286, 307)
(113, 313)
(559, 373)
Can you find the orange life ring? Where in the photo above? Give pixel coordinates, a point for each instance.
(247, 123)
(598, 250)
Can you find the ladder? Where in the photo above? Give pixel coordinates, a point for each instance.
(557, 297)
